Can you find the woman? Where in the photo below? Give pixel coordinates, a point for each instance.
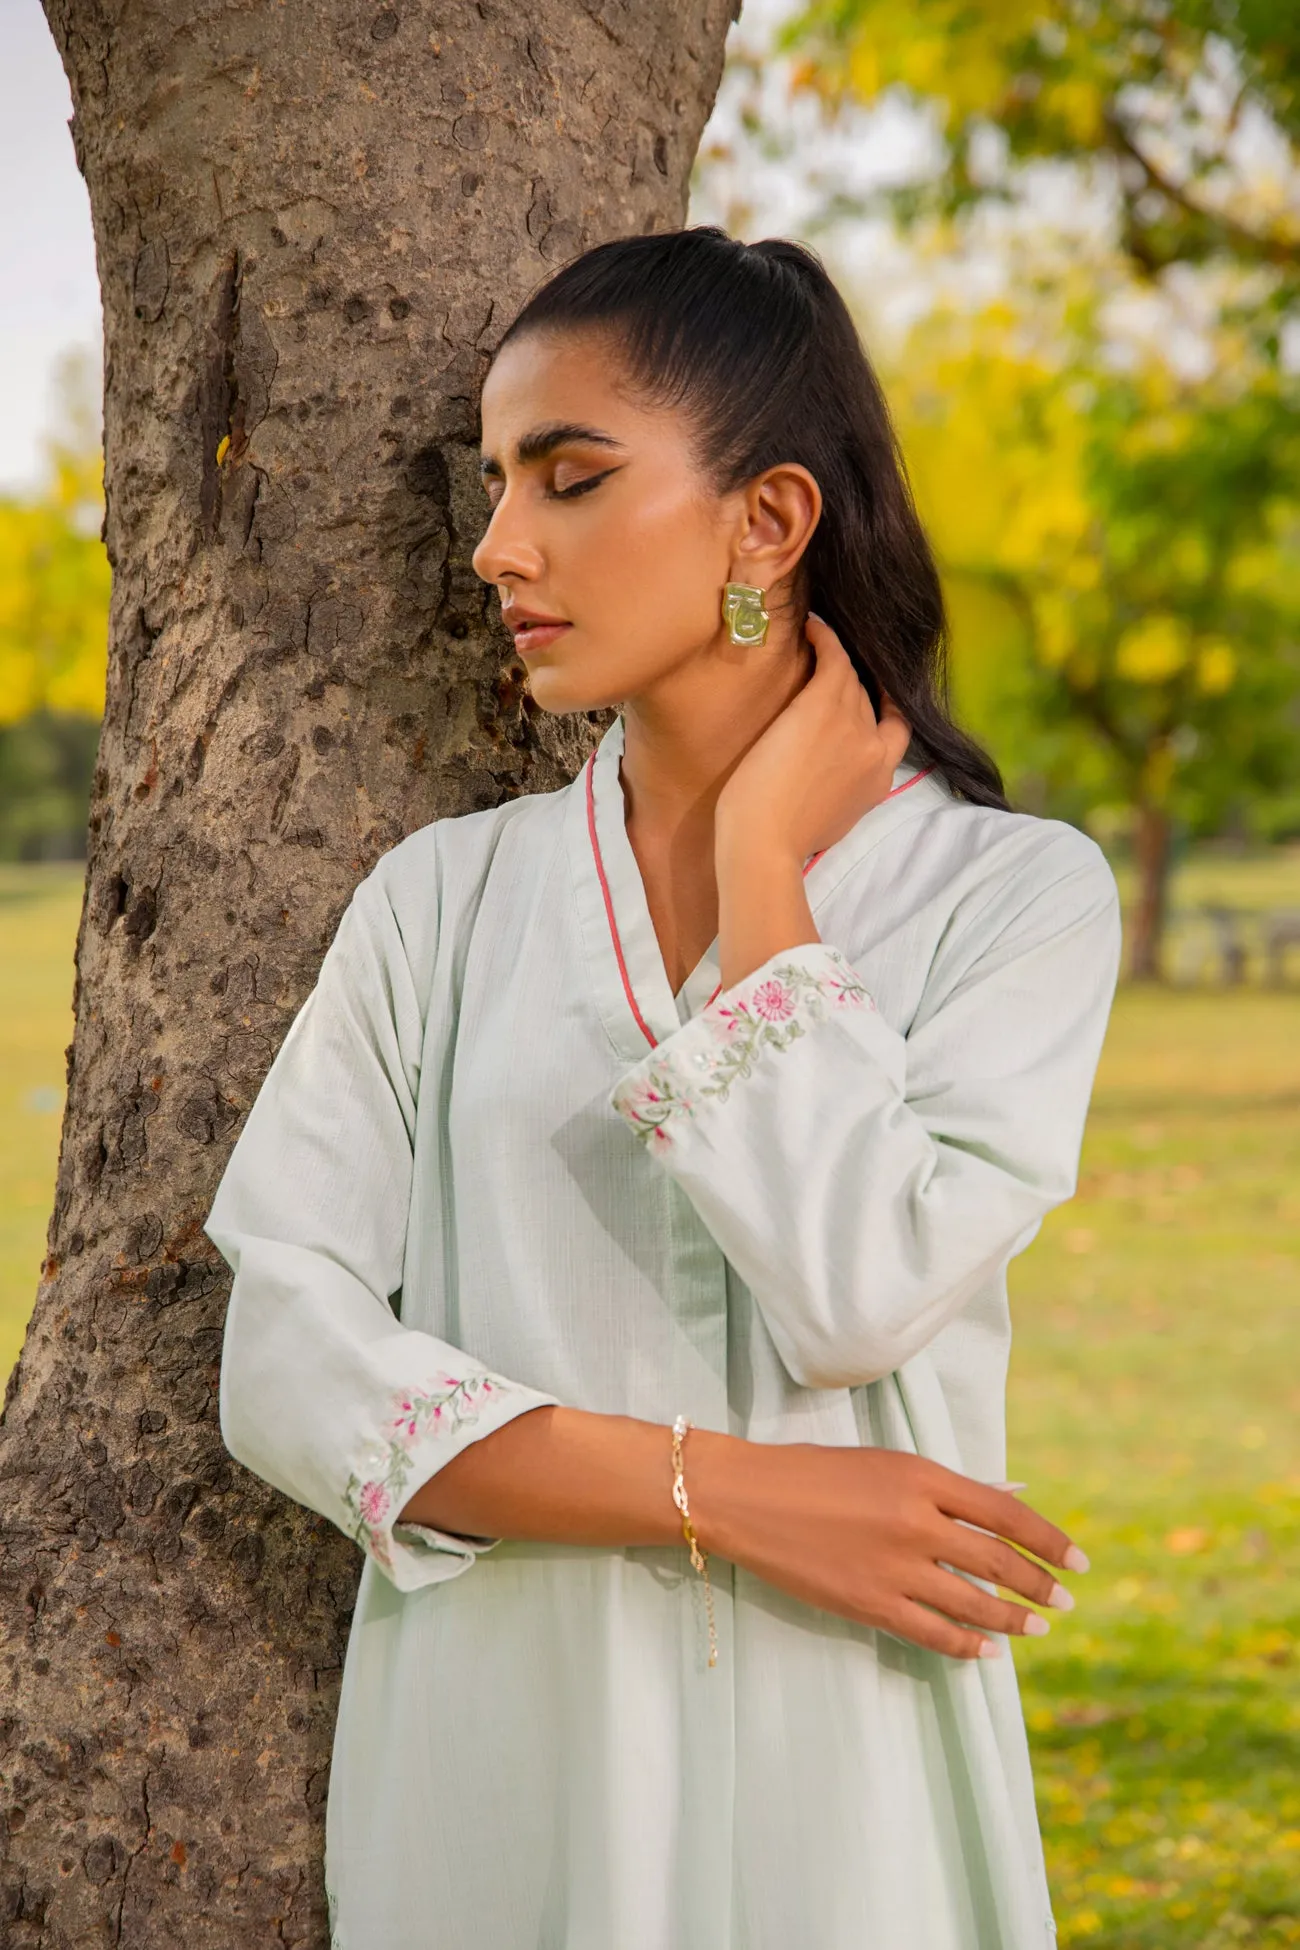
(720, 1085)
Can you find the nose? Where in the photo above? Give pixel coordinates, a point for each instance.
(506, 550)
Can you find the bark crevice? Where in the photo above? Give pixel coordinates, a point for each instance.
(217, 395)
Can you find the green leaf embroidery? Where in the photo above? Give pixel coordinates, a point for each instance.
(728, 1040)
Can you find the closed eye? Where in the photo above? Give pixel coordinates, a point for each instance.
(582, 487)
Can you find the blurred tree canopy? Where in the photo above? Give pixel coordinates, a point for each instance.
(1122, 554)
(1195, 102)
(1106, 450)
(54, 591)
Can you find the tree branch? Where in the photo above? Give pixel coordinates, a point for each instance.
(1271, 249)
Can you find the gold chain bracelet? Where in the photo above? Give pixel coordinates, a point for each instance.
(699, 1556)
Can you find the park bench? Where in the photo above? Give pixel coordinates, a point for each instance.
(1238, 930)
(1229, 925)
(1281, 931)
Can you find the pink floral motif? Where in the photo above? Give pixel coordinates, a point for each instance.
(773, 1001)
(725, 1042)
(646, 1095)
(408, 1421)
(443, 1406)
(372, 1501)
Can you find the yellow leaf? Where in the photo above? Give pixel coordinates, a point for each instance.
(1055, 618)
(1216, 666)
(1154, 649)
(223, 448)
(1079, 105)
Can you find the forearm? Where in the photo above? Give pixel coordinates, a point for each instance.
(568, 1476)
(762, 906)
(856, 1531)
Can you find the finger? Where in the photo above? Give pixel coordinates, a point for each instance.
(1006, 1516)
(937, 1633)
(999, 1563)
(824, 640)
(969, 1604)
(892, 728)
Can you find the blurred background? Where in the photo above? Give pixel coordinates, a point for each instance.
(1070, 232)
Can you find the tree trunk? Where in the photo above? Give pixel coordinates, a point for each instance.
(312, 224)
(1151, 850)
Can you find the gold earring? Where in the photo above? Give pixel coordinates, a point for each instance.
(746, 618)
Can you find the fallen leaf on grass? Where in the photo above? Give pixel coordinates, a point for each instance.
(1090, 1713)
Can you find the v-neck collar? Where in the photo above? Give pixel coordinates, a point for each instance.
(633, 991)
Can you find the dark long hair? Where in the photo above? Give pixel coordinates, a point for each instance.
(756, 344)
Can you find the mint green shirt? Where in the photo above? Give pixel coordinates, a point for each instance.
(498, 1163)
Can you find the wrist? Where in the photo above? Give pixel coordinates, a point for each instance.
(747, 843)
(716, 1469)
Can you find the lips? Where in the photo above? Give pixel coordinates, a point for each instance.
(531, 631)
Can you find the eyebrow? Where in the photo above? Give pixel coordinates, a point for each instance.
(542, 442)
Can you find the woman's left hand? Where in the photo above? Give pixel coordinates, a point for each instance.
(822, 763)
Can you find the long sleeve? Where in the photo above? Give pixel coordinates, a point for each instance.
(864, 1183)
(324, 1393)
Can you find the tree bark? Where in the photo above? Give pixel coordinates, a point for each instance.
(312, 225)
(1152, 836)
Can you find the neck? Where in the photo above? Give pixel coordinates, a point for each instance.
(684, 738)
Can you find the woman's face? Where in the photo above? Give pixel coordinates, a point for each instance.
(601, 520)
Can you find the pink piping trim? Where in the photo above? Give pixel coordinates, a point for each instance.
(914, 780)
(646, 1031)
(650, 1037)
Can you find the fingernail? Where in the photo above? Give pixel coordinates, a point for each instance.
(1036, 1627)
(990, 1649)
(1074, 1560)
(1060, 1598)
(1008, 1486)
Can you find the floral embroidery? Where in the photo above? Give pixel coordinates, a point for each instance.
(442, 1407)
(724, 1041)
(773, 1001)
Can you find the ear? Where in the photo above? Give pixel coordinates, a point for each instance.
(780, 510)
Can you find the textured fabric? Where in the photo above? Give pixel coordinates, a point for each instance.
(498, 1163)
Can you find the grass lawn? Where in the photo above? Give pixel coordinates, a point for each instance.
(1153, 1406)
(1154, 1395)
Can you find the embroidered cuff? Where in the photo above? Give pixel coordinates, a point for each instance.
(424, 1428)
(745, 1026)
